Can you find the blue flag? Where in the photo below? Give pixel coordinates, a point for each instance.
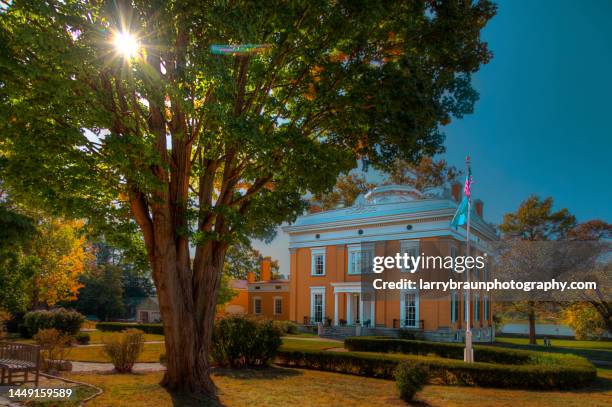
(460, 217)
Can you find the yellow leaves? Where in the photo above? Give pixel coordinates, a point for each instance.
(63, 255)
(338, 57)
(312, 92)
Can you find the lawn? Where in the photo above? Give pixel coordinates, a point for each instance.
(308, 344)
(595, 351)
(98, 336)
(278, 387)
(95, 353)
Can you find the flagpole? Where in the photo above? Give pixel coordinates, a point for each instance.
(468, 352)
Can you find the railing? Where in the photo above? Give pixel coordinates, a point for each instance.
(420, 325)
(19, 357)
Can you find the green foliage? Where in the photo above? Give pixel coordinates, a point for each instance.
(244, 341)
(410, 378)
(82, 338)
(122, 326)
(124, 348)
(226, 292)
(348, 187)
(65, 321)
(102, 292)
(584, 319)
(553, 372)
(535, 220)
(286, 327)
(406, 334)
(427, 173)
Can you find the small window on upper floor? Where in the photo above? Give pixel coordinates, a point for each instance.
(318, 262)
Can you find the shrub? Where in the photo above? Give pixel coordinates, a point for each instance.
(123, 349)
(410, 378)
(405, 334)
(286, 327)
(487, 354)
(122, 326)
(554, 372)
(66, 321)
(82, 338)
(244, 341)
(54, 348)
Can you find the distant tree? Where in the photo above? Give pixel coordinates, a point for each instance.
(58, 255)
(16, 233)
(226, 292)
(348, 187)
(102, 292)
(242, 259)
(592, 230)
(533, 221)
(427, 173)
(585, 320)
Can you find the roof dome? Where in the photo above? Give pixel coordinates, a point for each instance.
(392, 194)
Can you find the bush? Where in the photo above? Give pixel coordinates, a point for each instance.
(244, 341)
(406, 334)
(124, 348)
(410, 378)
(54, 348)
(65, 321)
(487, 354)
(286, 327)
(157, 329)
(82, 338)
(554, 372)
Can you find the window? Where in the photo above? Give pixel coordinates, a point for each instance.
(465, 316)
(317, 304)
(476, 307)
(410, 309)
(454, 307)
(257, 306)
(318, 262)
(486, 308)
(411, 247)
(278, 306)
(360, 258)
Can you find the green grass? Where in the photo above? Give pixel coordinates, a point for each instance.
(283, 386)
(96, 354)
(564, 343)
(597, 352)
(299, 344)
(98, 337)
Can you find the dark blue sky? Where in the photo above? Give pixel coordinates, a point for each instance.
(543, 124)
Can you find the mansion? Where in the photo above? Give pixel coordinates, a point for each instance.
(331, 251)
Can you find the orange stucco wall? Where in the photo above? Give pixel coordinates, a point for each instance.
(435, 313)
(267, 304)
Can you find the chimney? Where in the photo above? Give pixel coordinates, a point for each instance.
(456, 191)
(266, 269)
(479, 207)
(250, 277)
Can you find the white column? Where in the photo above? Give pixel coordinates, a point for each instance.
(361, 318)
(349, 317)
(335, 308)
(372, 313)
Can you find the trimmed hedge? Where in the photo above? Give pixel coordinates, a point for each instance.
(567, 371)
(122, 326)
(486, 354)
(65, 321)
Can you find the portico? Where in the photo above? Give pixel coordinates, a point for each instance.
(360, 306)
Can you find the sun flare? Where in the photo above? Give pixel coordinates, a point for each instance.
(126, 44)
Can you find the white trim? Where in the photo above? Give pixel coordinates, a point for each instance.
(355, 253)
(313, 291)
(454, 304)
(412, 247)
(476, 307)
(486, 308)
(314, 254)
(403, 308)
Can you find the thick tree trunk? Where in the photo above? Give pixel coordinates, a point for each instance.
(532, 326)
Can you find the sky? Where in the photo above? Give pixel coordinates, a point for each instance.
(543, 124)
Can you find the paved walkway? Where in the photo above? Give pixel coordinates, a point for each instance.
(82, 367)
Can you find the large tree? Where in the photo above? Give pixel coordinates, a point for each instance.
(534, 220)
(112, 110)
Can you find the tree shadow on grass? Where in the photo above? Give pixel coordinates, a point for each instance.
(264, 373)
(181, 400)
